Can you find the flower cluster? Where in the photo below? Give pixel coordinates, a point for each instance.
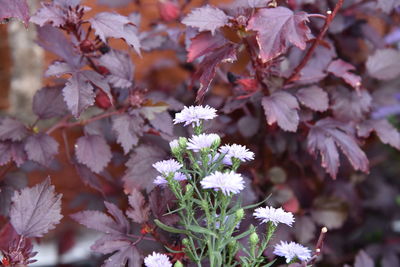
(214, 167)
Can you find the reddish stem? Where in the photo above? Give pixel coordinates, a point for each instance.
(65, 124)
(318, 247)
(329, 18)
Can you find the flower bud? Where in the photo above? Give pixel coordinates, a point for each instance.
(178, 264)
(185, 242)
(232, 245)
(204, 204)
(182, 142)
(239, 214)
(216, 143)
(254, 239)
(174, 145)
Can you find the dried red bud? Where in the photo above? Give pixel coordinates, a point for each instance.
(103, 70)
(102, 100)
(87, 46)
(169, 11)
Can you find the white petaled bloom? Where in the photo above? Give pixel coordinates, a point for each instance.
(235, 151)
(165, 167)
(198, 142)
(270, 214)
(229, 182)
(174, 144)
(160, 180)
(194, 114)
(157, 260)
(292, 250)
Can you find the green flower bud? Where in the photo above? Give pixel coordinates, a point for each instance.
(178, 264)
(254, 239)
(239, 214)
(204, 204)
(232, 244)
(185, 242)
(182, 142)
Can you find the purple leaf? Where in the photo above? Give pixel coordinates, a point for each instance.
(12, 151)
(342, 70)
(35, 210)
(161, 202)
(139, 210)
(48, 103)
(14, 9)
(11, 129)
(78, 94)
(325, 136)
(53, 40)
(276, 28)
(59, 68)
(128, 129)
(88, 177)
(314, 70)
(126, 251)
(140, 173)
(50, 13)
(388, 5)
(207, 68)
(383, 129)
(203, 44)
(13, 181)
(363, 260)
(119, 217)
(97, 220)
(384, 64)
(41, 148)
(112, 25)
(162, 122)
(281, 107)
(350, 105)
(120, 66)
(314, 98)
(206, 18)
(93, 151)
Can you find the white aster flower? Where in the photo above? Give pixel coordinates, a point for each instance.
(174, 144)
(198, 142)
(235, 151)
(160, 180)
(292, 250)
(194, 114)
(229, 182)
(270, 214)
(157, 260)
(165, 167)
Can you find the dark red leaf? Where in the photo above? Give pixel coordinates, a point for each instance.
(140, 173)
(48, 103)
(203, 44)
(363, 260)
(342, 70)
(128, 128)
(325, 136)
(206, 18)
(276, 28)
(314, 98)
(41, 148)
(350, 105)
(386, 132)
(139, 210)
(12, 129)
(36, 210)
(93, 151)
(14, 9)
(384, 64)
(207, 68)
(281, 107)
